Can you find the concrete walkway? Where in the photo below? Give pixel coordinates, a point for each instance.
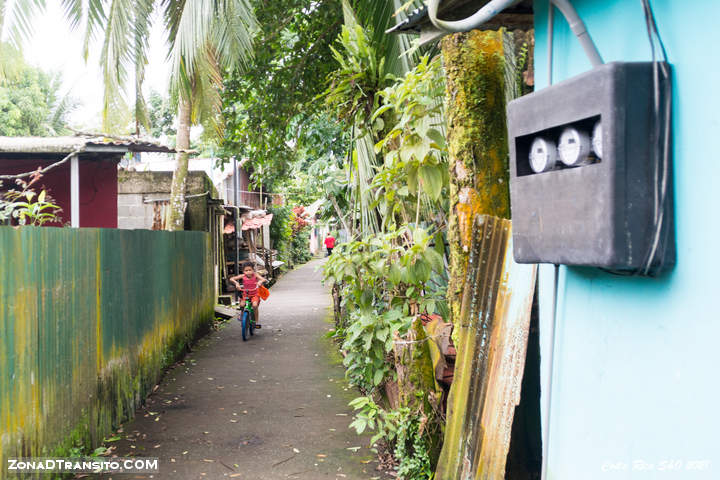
(274, 407)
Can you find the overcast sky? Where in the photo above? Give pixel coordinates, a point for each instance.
(55, 47)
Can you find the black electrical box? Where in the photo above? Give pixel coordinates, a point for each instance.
(590, 171)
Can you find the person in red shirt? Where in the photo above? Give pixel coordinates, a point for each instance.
(329, 243)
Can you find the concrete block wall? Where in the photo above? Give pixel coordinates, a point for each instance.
(135, 188)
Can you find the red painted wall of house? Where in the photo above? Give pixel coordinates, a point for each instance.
(98, 193)
(98, 188)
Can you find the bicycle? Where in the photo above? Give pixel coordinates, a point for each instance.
(247, 318)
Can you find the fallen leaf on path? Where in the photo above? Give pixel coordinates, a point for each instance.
(321, 455)
(205, 433)
(208, 460)
(235, 475)
(158, 445)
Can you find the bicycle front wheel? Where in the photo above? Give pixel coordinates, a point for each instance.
(245, 325)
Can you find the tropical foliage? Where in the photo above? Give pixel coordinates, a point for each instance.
(290, 235)
(25, 206)
(31, 103)
(387, 280)
(205, 38)
(269, 108)
(393, 269)
(324, 105)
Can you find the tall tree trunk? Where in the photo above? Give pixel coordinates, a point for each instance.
(177, 192)
(475, 66)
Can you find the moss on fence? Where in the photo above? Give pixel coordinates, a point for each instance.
(88, 320)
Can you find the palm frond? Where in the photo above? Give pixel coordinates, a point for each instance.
(18, 19)
(189, 37)
(206, 37)
(206, 94)
(376, 17)
(365, 161)
(60, 108)
(91, 13)
(141, 34)
(115, 59)
(234, 29)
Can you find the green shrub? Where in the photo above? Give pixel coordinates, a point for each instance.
(281, 232)
(300, 247)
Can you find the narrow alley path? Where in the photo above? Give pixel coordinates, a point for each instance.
(274, 407)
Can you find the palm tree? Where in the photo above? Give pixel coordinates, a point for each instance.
(204, 37)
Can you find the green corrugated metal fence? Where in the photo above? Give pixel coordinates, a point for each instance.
(88, 319)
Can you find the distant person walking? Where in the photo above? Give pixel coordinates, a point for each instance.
(329, 244)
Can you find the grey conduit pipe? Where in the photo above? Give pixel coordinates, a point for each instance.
(494, 7)
(578, 28)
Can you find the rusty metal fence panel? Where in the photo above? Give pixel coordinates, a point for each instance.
(491, 341)
(88, 320)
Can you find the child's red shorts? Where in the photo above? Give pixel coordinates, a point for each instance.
(253, 298)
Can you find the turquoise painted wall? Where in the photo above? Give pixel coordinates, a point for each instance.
(634, 372)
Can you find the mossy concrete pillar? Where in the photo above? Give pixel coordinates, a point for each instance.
(476, 66)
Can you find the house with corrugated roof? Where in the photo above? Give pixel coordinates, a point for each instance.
(79, 172)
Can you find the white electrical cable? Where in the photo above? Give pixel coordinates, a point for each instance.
(492, 8)
(483, 15)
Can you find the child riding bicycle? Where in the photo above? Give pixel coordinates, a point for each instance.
(251, 281)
